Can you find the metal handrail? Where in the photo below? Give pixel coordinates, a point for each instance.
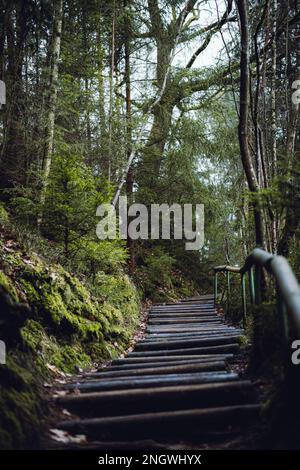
(287, 287)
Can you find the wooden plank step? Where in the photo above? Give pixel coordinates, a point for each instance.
(208, 297)
(167, 316)
(228, 348)
(197, 332)
(146, 359)
(202, 326)
(179, 302)
(184, 308)
(157, 370)
(183, 322)
(187, 343)
(158, 337)
(185, 316)
(145, 365)
(166, 425)
(202, 331)
(172, 329)
(152, 381)
(198, 299)
(186, 321)
(122, 402)
(184, 305)
(195, 336)
(148, 444)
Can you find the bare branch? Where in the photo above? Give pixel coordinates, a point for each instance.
(213, 28)
(190, 5)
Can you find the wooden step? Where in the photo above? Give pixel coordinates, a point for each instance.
(208, 331)
(202, 357)
(122, 402)
(189, 340)
(152, 381)
(172, 329)
(169, 362)
(182, 306)
(187, 343)
(227, 348)
(192, 335)
(208, 313)
(183, 320)
(165, 369)
(184, 317)
(165, 425)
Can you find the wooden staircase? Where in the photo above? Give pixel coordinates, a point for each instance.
(175, 389)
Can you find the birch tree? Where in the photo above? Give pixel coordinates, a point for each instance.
(52, 98)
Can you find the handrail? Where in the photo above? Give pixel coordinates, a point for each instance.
(287, 287)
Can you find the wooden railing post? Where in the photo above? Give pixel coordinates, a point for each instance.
(251, 285)
(216, 287)
(228, 291)
(257, 283)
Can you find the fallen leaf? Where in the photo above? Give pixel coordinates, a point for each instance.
(63, 436)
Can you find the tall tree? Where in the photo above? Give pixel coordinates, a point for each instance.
(52, 98)
(242, 6)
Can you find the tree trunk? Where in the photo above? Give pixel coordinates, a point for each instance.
(274, 219)
(292, 215)
(101, 90)
(243, 130)
(130, 175)
(13, 150)
(49, 141)
(111, 93)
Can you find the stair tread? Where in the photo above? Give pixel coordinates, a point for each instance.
(166, 369)
(208, 349)
(166, 424)
(205, 357)
(154, 380)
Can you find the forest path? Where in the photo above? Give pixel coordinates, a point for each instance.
(175, 390)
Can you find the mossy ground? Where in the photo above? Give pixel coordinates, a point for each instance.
(52, 320)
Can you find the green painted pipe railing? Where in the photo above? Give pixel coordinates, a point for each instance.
(287, 287)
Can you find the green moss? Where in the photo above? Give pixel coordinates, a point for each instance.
(63, 356)
(243, 340)
(21, 407)
(4, 217)
(52, 304)
(68, 325)
(33, 335)
(68, 358)
(30, 292)
(8, 286)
